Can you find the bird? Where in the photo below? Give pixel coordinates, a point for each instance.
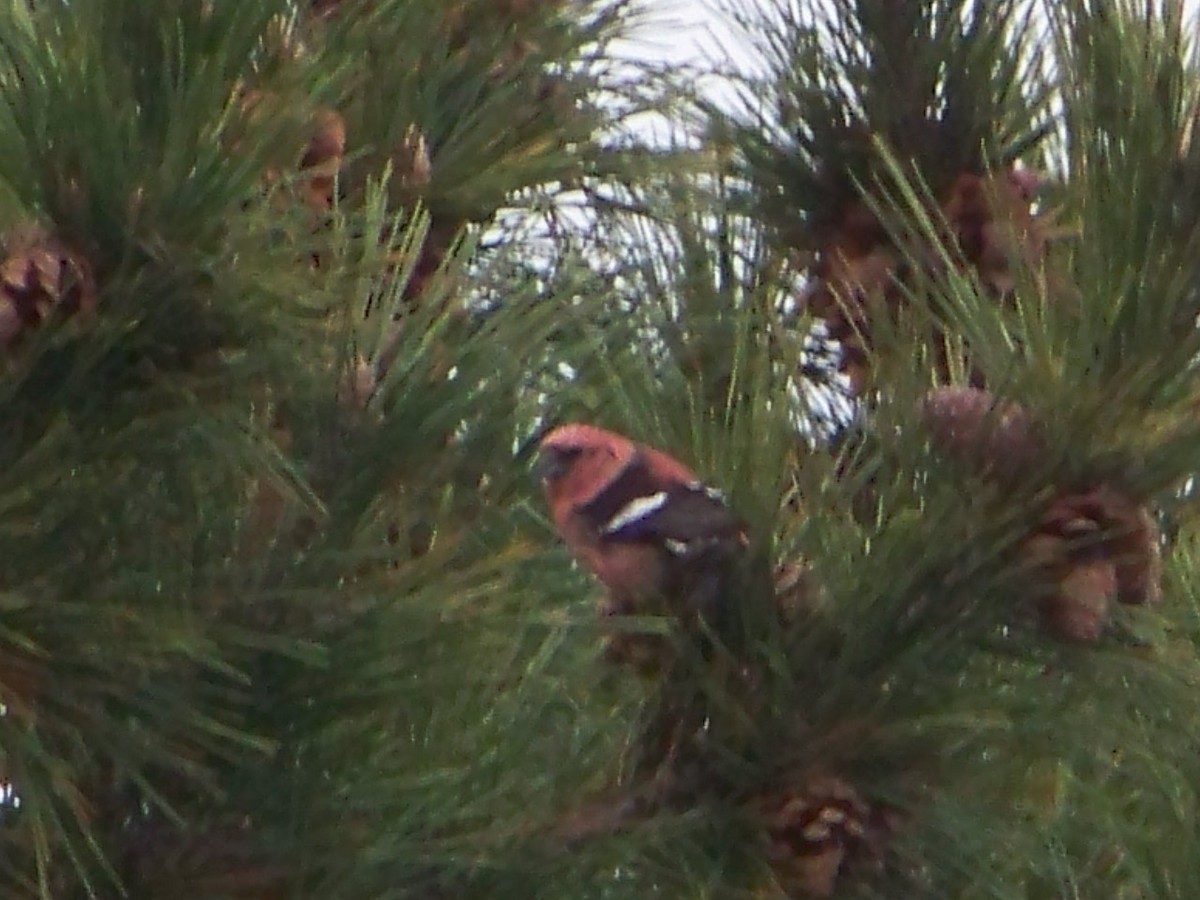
(643, 523)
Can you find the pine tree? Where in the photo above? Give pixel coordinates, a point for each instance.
(289, 292)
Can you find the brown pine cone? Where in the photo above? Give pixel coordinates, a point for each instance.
(999, 438)
(1095, 548)
(815, 835)
(323, 158)
(989, 218)
(438, 242)
(992, 221)
(797, 592)
(40, 277)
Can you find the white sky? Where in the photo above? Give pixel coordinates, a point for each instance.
(697, 34)
(687, 34)
(694, 32)
(682, 31)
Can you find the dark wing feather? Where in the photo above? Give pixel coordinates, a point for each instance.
(685, 513)
(634, 480)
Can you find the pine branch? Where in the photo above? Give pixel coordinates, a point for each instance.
(951, 86)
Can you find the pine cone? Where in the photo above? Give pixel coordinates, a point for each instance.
(815, 835)
(40, 277)
(797, 592)
(437, 244)
(1094, 548)
(992, 221)
(989, 217)
(1082, 593)
(322, 156)
(999, 438)
(323, 159)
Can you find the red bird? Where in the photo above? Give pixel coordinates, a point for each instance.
(642, 522)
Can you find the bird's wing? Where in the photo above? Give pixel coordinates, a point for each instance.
(637, 507)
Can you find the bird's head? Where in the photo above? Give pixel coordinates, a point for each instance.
(576, 461)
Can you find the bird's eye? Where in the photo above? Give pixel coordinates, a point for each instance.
(556, 461)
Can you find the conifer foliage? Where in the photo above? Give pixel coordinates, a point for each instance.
(291, 291)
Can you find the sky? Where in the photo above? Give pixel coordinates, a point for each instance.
(683, 31)
(687, 33)
(697, 32)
